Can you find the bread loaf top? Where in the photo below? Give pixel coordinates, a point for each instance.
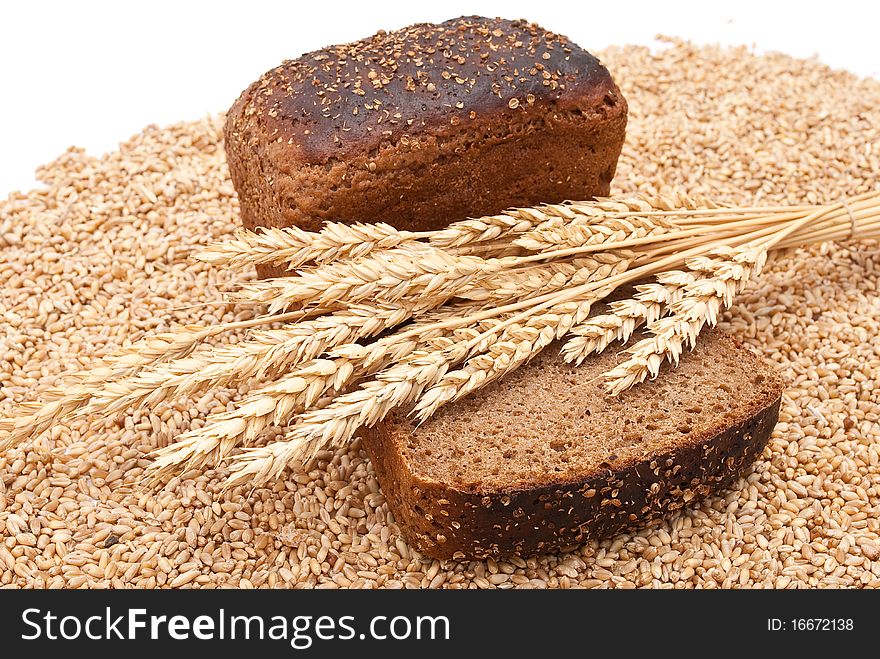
(423, 78)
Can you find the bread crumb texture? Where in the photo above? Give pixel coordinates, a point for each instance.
(99, 257)
(545, 458)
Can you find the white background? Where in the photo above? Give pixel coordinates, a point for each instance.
(93, 73)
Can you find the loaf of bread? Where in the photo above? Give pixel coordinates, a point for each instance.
(544, 458)
(423, 126)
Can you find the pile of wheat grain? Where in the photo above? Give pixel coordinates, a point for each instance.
(100, 257)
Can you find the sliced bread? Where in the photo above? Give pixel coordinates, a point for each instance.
(545, 458)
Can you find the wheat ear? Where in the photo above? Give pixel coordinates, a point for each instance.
(272, 405)
(650, 303)
(516, 221)
(700, 305)
(266, 354)
(533, 280)
(487, 229)
(554, 236)
(335, 424)
(295, 247)
(33, 419)
(515, 345)
(408, 271)
(158, 348)
(299, 390)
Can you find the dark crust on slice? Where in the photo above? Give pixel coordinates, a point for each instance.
(437, 162)
(445, 521)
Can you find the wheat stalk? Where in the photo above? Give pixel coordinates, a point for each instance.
(378, 318)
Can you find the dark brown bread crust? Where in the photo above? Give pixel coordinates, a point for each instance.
(449, 521)
(423, 126)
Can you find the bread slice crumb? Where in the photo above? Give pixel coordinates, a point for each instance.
(545, 458)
